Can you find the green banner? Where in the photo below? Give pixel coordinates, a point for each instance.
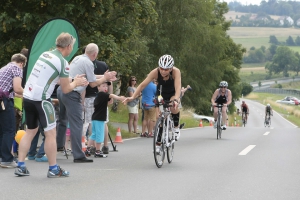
(45, 37)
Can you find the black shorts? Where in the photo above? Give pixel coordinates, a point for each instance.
(39, 111)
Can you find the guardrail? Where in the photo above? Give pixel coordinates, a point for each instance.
(294, 93)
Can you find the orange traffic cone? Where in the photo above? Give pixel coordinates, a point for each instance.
(200, 123)
(83, 146)
(118, 138)
(210, 123)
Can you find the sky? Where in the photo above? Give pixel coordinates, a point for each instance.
(248, 2)
(244, 2)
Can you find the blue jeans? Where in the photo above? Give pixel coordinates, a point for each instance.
(34, 142)
(7, 130)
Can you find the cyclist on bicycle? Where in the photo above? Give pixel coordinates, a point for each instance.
(169, 77)
(268, 111)
(245, 110)
(221, 96)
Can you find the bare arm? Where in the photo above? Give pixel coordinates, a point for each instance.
(229, 98)
(108, 76)
(17, 85)
(120, 98)
(214, 96)
(177, 83)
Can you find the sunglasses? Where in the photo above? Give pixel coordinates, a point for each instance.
(133, 80)
(223, 87)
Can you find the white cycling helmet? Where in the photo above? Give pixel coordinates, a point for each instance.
(166, 62)
(223, 84)
(268, 105)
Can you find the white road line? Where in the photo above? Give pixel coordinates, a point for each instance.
(266, 133)
(246, 150)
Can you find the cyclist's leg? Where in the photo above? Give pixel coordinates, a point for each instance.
(224, 115)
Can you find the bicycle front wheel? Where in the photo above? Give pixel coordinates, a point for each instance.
(170, 149)
(158, 145)
(219, 128)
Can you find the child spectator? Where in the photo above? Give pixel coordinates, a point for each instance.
(99, 118)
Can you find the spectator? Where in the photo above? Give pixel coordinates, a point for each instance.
(98, 119)
(10, 83)
(132, 106)
(90, 95)
(71, 104)
(50, 68)
(148, 94)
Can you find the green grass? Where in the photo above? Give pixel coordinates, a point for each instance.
(121, 116)
(295, 85)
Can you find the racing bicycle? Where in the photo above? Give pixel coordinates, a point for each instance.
(219, 121)
(164, 134)
(244, 118)
(268, 121)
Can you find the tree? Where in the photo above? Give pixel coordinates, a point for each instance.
(297, 41)
(290, 41)
(273, 40)
(113, 25)
(246, 88)
(283, 60)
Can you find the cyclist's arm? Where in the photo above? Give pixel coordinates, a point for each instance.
(152, 75)
(177, 83)
(214, 96)
(229, 98)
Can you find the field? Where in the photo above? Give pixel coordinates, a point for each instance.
(256, 37)
(231, 15)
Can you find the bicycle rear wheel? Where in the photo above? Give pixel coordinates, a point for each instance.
(158, 145)
(219, 129)
(170, 149)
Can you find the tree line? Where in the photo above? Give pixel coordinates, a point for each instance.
(266, 8)
(132, 35)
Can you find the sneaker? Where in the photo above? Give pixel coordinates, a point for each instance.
(41, 159)
(15, 159)
(215, 124)
(177, 134)
(224, 127)
(31, 157)
(58, 173)
(105, 149)
(87, 152)
(60, 149)
(92, 150)
(12, 164)
(22, 171)
(99, 154)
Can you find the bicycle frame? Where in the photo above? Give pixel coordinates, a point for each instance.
(219, 121)
(164, 134)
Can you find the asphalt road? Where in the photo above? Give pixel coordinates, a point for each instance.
(251, 162)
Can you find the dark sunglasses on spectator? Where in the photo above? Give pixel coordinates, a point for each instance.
(133, 80)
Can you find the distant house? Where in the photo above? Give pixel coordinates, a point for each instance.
(287, 18)
(253, 17)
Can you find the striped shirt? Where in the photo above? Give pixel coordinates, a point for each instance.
(7, 74)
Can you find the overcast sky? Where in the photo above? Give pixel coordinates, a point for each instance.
(248, 2)
(244, 2)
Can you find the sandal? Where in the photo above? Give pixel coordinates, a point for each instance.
(150, 135)
(144, 134)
